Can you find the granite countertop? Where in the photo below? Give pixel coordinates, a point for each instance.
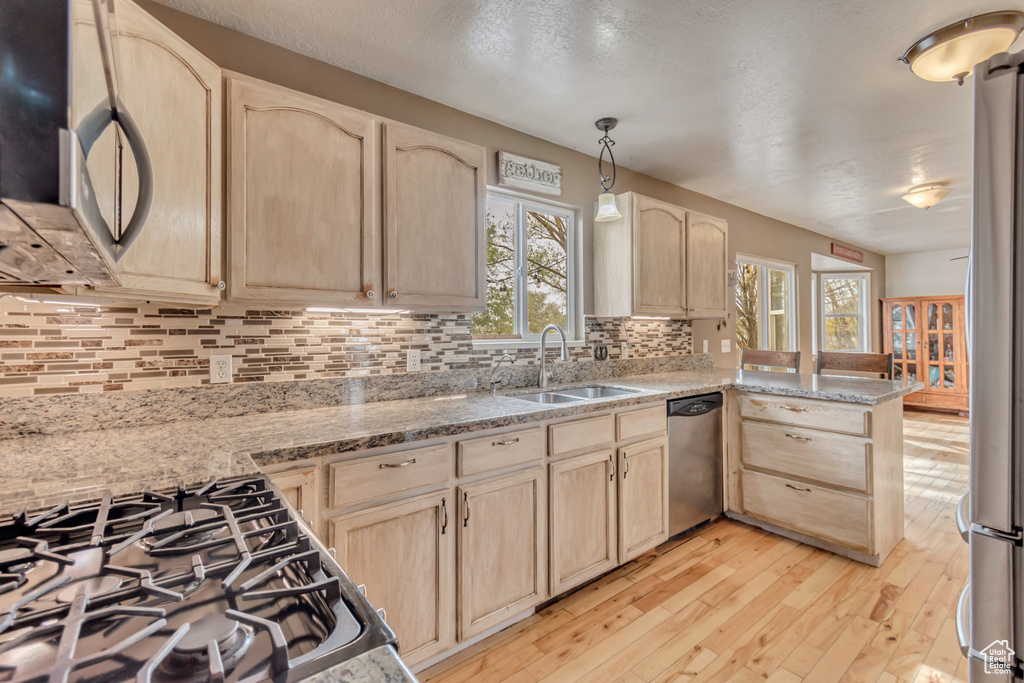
(380, 664)
(40, 471)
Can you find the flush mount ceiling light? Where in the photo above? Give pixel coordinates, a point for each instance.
(606, 209)
(950, 53)
(926, 196)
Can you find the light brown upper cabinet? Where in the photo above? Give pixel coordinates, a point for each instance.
(302, 175)
(174, 95)
(434, 199)
(707, 255)
(660, 259)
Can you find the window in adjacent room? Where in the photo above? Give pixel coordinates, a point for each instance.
(844, 314)
(531, 270)
(765, 304)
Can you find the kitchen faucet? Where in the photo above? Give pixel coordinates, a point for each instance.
(494, 384)
(543, 352)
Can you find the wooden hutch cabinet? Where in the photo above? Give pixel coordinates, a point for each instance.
(928, 342)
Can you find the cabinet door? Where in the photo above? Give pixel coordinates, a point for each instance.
(174, 94)
(502, 549)
(584, 535)
(301, 187)
(903, 338)
(643, 497)
(659, 258)
(707, 253)
(402, 554)
(301, 490)
(433, 221)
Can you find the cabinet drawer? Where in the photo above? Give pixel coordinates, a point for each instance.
(802, 412)
(500, 450)
(645, 422)
(580, 434)
(832, 515)
(836, 459)
(385, 475)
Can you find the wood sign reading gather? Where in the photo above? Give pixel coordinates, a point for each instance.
(529, 174)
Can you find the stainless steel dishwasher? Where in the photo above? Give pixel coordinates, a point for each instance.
(695, 461)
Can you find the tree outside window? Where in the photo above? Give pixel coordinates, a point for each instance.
(529, 278)
(844, 317)
(764, 305)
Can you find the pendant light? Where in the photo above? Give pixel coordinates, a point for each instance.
(951, 53)
(606, 208)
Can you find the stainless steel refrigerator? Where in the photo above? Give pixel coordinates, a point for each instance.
(990, 614)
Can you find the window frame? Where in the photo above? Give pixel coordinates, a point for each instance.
(792, 299)
(525, 203)
(863, 313)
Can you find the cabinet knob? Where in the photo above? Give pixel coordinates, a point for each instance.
(221, 285)
(370, 294)
(393, 294)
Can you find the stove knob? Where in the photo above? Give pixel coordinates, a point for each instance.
(333, 552)
(362, 589)
(383, 614)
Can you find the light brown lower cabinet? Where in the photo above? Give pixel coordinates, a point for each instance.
(643, 497)
(502, 549)
(402, 554)
(300, 489)
(584, 535)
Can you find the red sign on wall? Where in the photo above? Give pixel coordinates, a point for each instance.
(847, 253)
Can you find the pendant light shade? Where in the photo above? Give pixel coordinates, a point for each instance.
(606, 208)
(951, 53)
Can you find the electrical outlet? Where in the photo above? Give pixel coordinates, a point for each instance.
(220, 368)
(624, 350)
(412, 360)
(705, 346)
(726, 345)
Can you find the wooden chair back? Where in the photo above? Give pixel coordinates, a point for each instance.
(771, 359)
(878, 363)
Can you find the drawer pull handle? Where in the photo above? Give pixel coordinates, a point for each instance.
(506, 442)
(444, 509)
(794, 409)
(797, 488)
(465, 504)
(611, 461)
(798, 437)
(396, 465)
(625, 466)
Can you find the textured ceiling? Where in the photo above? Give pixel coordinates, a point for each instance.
(796, 109)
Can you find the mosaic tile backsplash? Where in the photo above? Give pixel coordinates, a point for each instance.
(52, 348)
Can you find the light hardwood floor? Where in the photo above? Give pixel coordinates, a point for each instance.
(734, 603)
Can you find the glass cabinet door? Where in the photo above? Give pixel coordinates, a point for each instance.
(902, 340)
(941, 354)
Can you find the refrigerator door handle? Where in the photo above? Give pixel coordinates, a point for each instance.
(963, 621)
(962, 524)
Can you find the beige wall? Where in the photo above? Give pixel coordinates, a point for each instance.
(749, 233)
(926, 273)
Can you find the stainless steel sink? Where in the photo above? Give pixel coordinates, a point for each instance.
(594, 392)
(569, 395)
(547, 397)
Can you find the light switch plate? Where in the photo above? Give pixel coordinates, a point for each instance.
(412, 360)
(726, 345)
(220, 368)
(705, 346)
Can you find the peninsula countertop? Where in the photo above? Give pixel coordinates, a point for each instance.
(42, 470)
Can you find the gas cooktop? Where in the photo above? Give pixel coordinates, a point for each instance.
(220, 583)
